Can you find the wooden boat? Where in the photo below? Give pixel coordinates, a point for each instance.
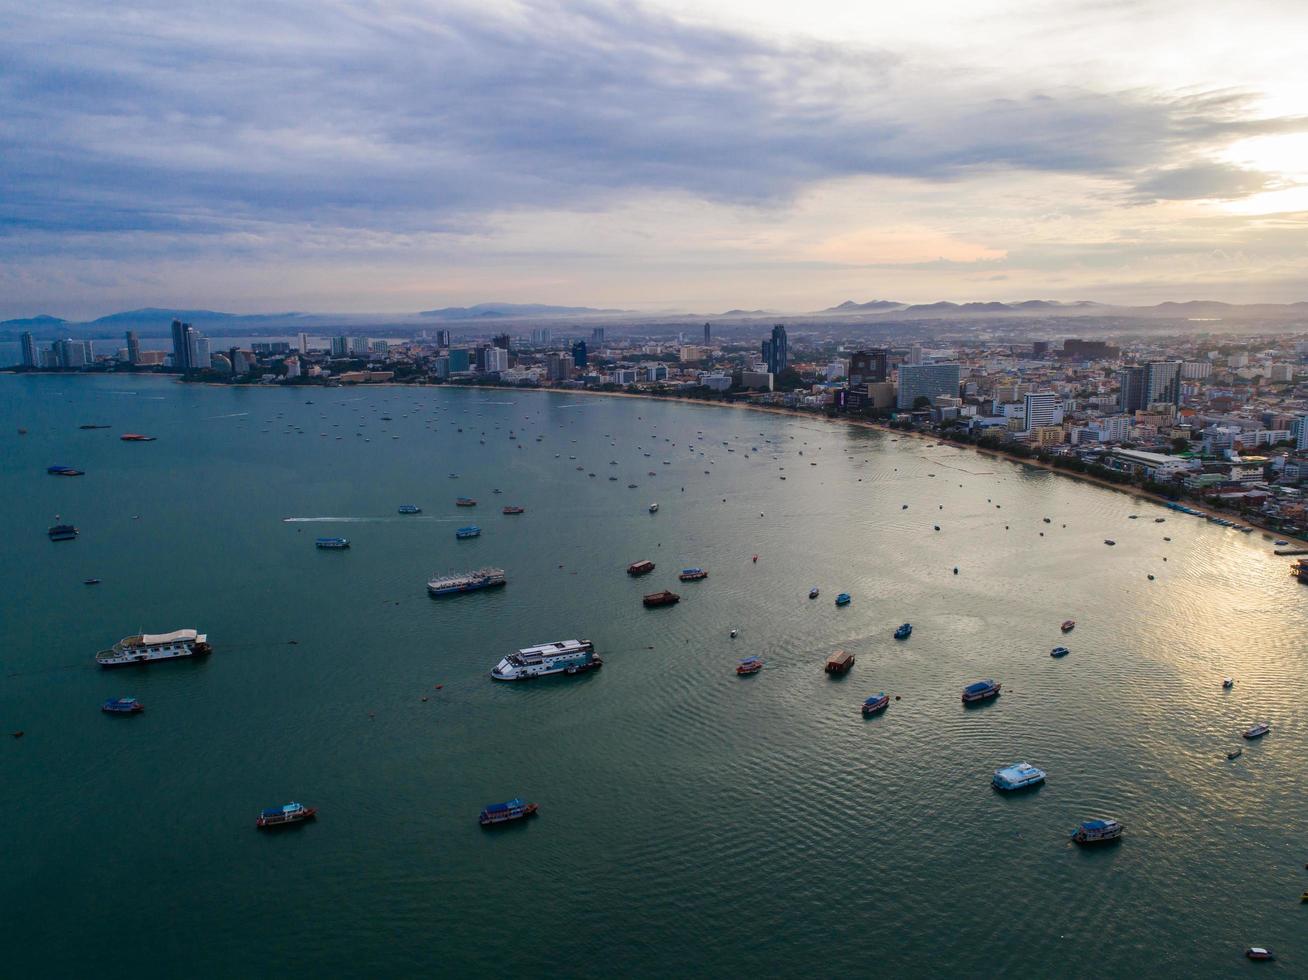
(839, 662)
(750, 665)
(1068, 625)
(642, 567)
(664, 598)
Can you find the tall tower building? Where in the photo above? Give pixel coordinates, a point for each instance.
(597, 337)
(30, 358)
(1131, 389)
(708, 335)
(869, 366)
(181, 345)
(579, 356)
(133, 348)
(776, 353)
(1042, 409)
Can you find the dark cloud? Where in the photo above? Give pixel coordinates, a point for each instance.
(185, 118)
(1199, 181)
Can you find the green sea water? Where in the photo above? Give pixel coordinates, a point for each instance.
(692, 823)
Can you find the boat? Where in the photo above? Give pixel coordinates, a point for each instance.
(813, 592)
(465, 502)
(559, 657)
(750, 665)
(471, 531)
(483, 578)
(734, 632)
(877, 702)
(135, 437)
(1097, 831)
(64, 471)
(281, 816)
(1257, 731)
(497, 813)
(904, 631)
(332, 543)
(93, 426)
(1109, 541)
(653, 508)
(1259, 953)
(91, 581)
(981, 690)
(1020, 775)
(1059, 652)
(511, 509)
(1227, 683)
(843, 599)
(122, 706)
(642, 567)
(1068, 625)
(62, 532)
(1160, 520)
(144, 648)
(410, 509)
(1280, 542)
(839, 662)
(664, 598)
(1234, 754)
(692, 574)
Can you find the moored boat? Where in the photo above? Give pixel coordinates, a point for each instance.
(135, 437)
(511, 509)
(1259, 953)
(560, 657)
(749, 665)
(122, 706)
(1227, 683)
(62, 532)
(482, 578)
(1257, 731)
(1109, 541)
(844, 599)
(642, 567)
(497, 813)
(410, 509)
(875, 703)
(1020, 775)
(653, 508)
(692, 574)
(1059, 652)
(330, 544)
(839, 662)
(664, 598)
(1234, 754)
(465, 502)
(1097, 831)
(981, 690)
(281, 816)
(1068, 625)
(813, 592)
(64, 471)
(149, 647)
(904, 631)
(471, 531)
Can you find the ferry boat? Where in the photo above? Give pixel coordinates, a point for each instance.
(1258, 730)
(471, 531)
(1019, 775)
(653, 508)
(62, 532)
(904, 631)
(465, 502)
(512, 510)
(122, 706)
(1068, 625)
(497, 813)
(981, 690)
(135, 437)
(877, 702)
(1097, 831)
(64, 471)
(1059, 652)
(813, 592)
(692, 574)
(482, 578)
(144, 648)
(839, 662)
(642, 567)
(560, 657)
(332, 543)
(843, 599)
(410, 509)
(664, 598)
(281, 816)
(750, 665)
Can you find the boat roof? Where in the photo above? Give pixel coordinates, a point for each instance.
(172, 637)
(1098, 824)
(875, 697)
(751, 660)
(512, 804)
(277, 811)
(840, 657)
(1018, 770)
(979, 686)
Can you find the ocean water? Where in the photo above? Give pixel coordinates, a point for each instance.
(692, 823)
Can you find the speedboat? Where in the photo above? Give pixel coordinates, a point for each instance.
(1259, 953)
(471, 531)
(1068, 625)
(813, 592)
(875, 703)
(981, 690)
(750, 665)
(1109, 541)
(843, 599)
(734, 631)
(332, 543)
(653, 508)
(122, 706)
(1258, 730)
(1097, 831)
(1227, 683)
(1059, 652)
(1020, 775)
(904, 631)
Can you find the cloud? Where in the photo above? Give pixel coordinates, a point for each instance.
(1203, 181)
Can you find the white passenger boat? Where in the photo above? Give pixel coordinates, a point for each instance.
(560, 657)
(148, 647)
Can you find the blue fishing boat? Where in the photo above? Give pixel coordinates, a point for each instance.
(471, 531)
(281, 816)
(875, 703)
(1059, 652)
(122, 706)
(410, 509)
(515, 809)
(981, 690)
(843, 599)
(904, 632)
(332, 543)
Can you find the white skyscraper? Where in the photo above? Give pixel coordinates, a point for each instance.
(1043, 408)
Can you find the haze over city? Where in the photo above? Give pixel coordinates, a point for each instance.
(399, 156)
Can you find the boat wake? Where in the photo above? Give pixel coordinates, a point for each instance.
(407, 519)
(233, 415)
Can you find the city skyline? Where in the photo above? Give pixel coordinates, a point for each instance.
(651, 157)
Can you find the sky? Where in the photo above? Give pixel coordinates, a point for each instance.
(692, 155)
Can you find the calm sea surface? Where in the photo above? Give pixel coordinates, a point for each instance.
(691, 822)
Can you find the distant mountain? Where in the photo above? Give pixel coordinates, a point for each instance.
(40, 322)
(874, 306)
(944, 306)
(482, 310)
(154, 316)
(748, 313)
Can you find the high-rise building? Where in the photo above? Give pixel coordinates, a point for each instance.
(1089, 350)
(1042, 410)
(1299, 433)
(503, 341)
(30, 356)
(708, 335)
(540, 337)
(927, 380)
(133, 348)
(869, 366)
(340, 346)
(182, 345)
(579, 355)
(302, 343)
(497, 359)
(442, 338)
(597, 337)
(558, 366)
(460, 360)
(199, 352)
(914, 355)
(72, 353)
(1163, 382)
(776, 354)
